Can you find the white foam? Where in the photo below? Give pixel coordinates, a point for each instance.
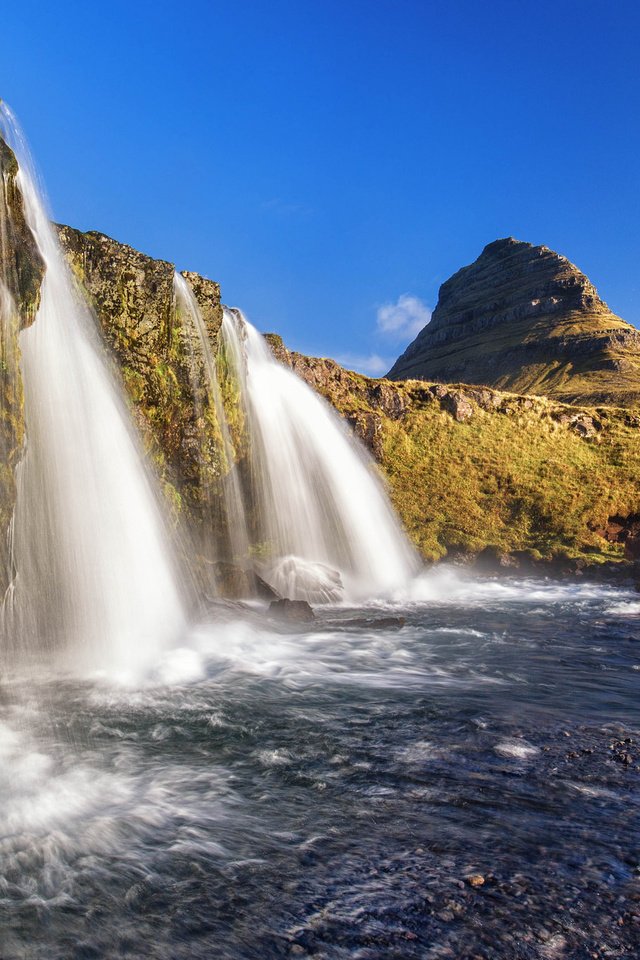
(517, 749)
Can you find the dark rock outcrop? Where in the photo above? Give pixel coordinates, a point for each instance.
(293, 611)
(624, 530)
(524, 318)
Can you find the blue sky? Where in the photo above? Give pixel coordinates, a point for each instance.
(331, 163)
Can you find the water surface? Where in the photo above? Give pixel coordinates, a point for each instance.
(273, 792)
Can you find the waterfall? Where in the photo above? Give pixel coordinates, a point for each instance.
(227, 534)
(321, 519)
(95, 578)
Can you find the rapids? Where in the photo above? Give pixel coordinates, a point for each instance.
(271, 793)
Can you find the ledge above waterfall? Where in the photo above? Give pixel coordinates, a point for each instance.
(21, 265)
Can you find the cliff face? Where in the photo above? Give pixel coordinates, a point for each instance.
(21, 266)
(21, 272)
(524, 318)
(159, 359)
(468, 468)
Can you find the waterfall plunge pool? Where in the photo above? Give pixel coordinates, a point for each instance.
(338, 791)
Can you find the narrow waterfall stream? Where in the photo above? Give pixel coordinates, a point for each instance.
(95, 576)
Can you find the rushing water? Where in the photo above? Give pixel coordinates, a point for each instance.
(271, 793)
(320, 506)
(94, 570)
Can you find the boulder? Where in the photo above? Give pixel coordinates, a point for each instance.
(292, 611)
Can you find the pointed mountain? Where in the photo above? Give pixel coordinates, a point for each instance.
(525, 319)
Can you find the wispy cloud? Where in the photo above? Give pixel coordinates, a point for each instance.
(372, 364)
(403, 319)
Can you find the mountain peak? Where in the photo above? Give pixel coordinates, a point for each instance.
(524, 318)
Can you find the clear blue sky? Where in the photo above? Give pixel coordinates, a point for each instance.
(321, 159)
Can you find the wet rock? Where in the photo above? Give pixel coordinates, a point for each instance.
(293, 611)
(492, 559)
(620, 751)
(21, 273)
(263, 590)
(632, 548)
(235, 583)
(475, 880)
(232, 581)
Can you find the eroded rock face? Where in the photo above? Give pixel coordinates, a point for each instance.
(524, 318)
(21, 266)
(158, 356)
(21, 273)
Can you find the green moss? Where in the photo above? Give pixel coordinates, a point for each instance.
(134, 383)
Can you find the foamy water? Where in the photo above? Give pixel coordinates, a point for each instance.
(267, 786)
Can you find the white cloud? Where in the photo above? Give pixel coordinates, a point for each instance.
(403, 319)
(373, 365)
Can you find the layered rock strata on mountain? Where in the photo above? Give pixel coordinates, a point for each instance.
(524, 318)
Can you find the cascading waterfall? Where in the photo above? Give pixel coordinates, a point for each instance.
(95, 575)
(320, 512)
(225, 505)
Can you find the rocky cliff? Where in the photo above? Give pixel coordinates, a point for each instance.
(158, 358)
(21, 272)
(471, 470)
(524, 318)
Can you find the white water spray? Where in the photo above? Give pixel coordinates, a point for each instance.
(94, 569)
(320, 506)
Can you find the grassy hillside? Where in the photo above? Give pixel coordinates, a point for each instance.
(470, 467)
